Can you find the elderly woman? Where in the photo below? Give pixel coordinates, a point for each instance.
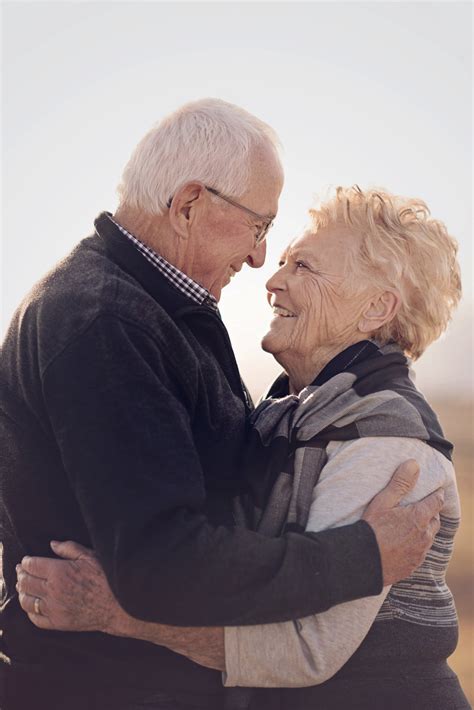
(372, 282)
(374, 279)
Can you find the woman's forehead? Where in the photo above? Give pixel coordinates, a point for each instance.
(326, 242)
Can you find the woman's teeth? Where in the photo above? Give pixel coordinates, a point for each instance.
(279, 311)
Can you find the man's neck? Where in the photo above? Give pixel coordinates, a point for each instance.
(155, 232)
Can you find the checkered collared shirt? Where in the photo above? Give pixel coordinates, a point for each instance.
(183, 283)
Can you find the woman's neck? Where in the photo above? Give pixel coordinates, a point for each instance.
(302, 373)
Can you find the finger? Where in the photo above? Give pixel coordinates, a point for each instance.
(39, 566)
(401, 483)
(434, 527)
(35, 586)
(28, 604)
(70, 550)
(42, 622)
(429, 507)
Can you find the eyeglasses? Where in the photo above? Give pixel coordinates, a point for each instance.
(267, 221)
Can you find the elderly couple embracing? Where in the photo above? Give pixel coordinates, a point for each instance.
(213, 555)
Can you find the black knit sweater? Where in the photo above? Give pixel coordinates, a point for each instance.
(122, 421)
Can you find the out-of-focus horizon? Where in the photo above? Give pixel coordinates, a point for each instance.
(367, 93)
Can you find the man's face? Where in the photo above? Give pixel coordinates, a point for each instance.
(225, 236)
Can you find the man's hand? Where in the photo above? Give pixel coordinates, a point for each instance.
(404, 534)
(71, 594)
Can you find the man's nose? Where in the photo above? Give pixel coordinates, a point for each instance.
(256, 258)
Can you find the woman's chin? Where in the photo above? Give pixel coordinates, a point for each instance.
(266, 343)
(270, 343)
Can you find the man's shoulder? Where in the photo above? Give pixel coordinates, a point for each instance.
(87, 286)
(87, 282)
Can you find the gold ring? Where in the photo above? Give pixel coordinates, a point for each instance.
(37, 606)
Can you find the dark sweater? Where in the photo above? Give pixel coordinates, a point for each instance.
(123, 418)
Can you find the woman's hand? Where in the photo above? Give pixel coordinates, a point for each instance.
(71, 594)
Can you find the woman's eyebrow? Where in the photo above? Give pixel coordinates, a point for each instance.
(302, 254)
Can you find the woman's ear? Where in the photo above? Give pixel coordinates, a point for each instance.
(381, 309)
(185, 207)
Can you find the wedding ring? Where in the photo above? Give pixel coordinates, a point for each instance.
(37, 606)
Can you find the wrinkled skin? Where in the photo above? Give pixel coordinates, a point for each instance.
(320, 307)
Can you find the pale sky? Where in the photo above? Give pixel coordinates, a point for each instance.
(374, 93)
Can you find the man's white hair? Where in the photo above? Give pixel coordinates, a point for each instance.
(208, 140)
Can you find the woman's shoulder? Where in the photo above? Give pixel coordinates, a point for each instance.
(378, 457)
(393, 448)
(358, 469)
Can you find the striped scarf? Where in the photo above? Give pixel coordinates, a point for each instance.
(372, 396)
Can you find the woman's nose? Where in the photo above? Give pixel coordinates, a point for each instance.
(276, 282)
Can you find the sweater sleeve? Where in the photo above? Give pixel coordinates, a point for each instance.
(310, 650)
(122, 423)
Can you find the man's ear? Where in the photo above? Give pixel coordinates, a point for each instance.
(186, 206)
(381, 309)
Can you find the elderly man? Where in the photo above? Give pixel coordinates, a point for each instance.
(123, 420)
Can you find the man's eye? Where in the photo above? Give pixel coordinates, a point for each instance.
(300, 265)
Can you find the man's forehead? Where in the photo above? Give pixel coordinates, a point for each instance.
(266, 183)
(265, 161)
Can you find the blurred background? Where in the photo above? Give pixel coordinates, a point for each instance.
(373, 93)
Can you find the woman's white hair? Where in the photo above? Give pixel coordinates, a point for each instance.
(208, 140)
(401, 247)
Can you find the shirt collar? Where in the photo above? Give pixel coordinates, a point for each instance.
(180, 280)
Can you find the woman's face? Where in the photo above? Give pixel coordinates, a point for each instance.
(312, 302)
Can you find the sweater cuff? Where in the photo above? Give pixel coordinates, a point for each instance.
(354, 566)
(231, 675)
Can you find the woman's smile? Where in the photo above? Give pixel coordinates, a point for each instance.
(282, 312)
